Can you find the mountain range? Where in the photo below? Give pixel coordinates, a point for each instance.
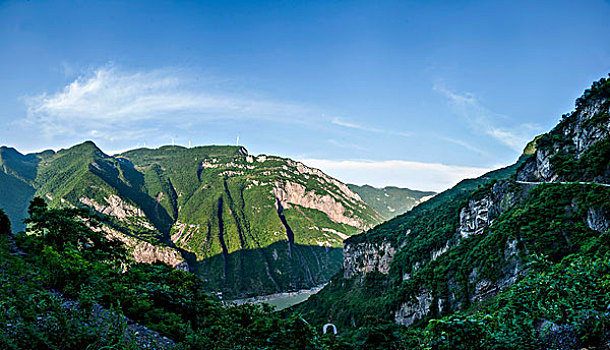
(518, 258)
(249, 225)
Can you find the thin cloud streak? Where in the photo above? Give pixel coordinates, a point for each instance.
(414, 175)
(350, 125)
(464, 144)
(482, 119)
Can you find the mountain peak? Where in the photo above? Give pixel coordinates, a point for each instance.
(5, 150)
(87, 143)
(86, 147)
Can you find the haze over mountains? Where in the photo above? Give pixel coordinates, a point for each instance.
(391, 201)
(248, 224)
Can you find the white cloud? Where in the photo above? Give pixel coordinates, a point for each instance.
(414, 175)
(116, 105)
(111, 103)
(483, 120)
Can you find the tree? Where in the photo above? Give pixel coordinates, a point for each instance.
(72, 228)
(37, 207)
(5, 223)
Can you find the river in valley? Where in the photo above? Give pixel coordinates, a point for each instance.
(280, 300)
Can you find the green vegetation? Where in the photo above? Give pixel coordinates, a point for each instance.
(493, 263)
(54, 295)
(548, 222)
(562, 305)
(364, 303)
(593, 164)
(16, 175)
(536, 277)
(532, 146)
(226, 214)
(214, 204)
(565, 142)
(599, 89)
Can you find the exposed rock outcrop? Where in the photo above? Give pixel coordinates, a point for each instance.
(412, 311)
(345, 191)
(479, 214)
(474, 218)
(574, 136)
(144, 252)
(114, 206)
(117, 208)
(363, 258)
(288, 192)
(598, 220)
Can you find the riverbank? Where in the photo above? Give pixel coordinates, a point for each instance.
(280, 301)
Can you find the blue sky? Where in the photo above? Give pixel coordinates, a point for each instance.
(416, 94)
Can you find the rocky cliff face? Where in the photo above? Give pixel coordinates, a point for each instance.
(414, 310)
(572, 138)
(117, 208)
(475, 218)
(478, 214)
(141, 251)
(484, 288)
(424, 304)
(598, 219)
(472, 242)
(114, 206)
(255, 224)
(359, 259)
(288, 192)
(144, 252)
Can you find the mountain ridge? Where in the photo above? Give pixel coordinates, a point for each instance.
(442, 268)
(224, 212)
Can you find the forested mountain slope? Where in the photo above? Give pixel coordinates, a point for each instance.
(254, 223)
(485, 256)
(248, 225)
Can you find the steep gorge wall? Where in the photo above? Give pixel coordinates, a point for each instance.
(363, 258)
(477, 218)
(144, 252)
(571, 138)
(288, 192)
